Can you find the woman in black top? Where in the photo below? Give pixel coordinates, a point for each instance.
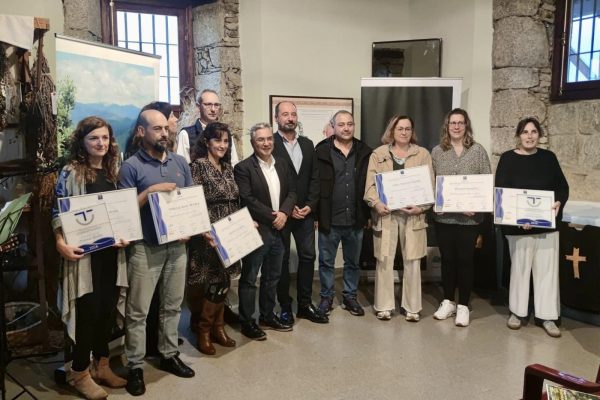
(533, 250)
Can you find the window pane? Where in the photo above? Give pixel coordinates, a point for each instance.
(588, 8)
(121, 44)
(173, 30)
(133, 46)
(574, 37)
(160, 28)
(133, 27)
(586, 35)
(121, 25)
(163, 89)
(173, 60)
(583, 67)
(597, 33)
(161, 50)
(146, 25)
(595, 69)
(148, 48)
(174, 91)
(572, 69)
(576, 10)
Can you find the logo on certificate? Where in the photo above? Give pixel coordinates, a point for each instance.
(84, 217)
(534, 201)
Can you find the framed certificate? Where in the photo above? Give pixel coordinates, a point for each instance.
(236, 236)
(88, 228)
(122, 206)
(464, 193)
(524, 206)
(405, 187)
(179, 213)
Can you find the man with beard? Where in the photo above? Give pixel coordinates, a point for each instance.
(210, 111)
(154, 169)
(299, 153)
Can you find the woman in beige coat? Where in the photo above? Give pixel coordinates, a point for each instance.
(405, 226)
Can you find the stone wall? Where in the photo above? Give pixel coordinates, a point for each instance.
(82, 19)
(522, 55)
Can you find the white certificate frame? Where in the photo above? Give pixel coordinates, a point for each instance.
(180, 213)
(122, 206)
(464, 193)
(405, 187)
(519, 207)
(236, 236)
(88, 228)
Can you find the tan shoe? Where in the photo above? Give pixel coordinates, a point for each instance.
(218, 333)
(101, 373)
(84, 384)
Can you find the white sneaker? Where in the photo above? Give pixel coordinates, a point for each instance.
(384, 315)
(513, 322)
(551, 329)
(462, 316)
(447, 309)
(412, 317)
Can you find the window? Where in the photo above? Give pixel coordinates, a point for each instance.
(157, 30)
(576, 57)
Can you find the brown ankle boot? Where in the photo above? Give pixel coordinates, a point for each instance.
(83, 383)
(102, 374)
(207, 318)
(218, 333)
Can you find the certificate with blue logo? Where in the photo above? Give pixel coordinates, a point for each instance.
(405, 187)
(88, 228)
(122, 206)
(524, 206)
(236, 236)
(180, 213)
(464, 193)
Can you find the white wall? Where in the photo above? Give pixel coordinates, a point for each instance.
(465, 27)
(311, 48)
(323, 48)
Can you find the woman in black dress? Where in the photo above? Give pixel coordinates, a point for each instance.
(211, 168)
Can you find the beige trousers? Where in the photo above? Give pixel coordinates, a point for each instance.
(384, 273)
(535, 255)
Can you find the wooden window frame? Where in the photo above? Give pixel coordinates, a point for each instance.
(180, 9)
(561, 89)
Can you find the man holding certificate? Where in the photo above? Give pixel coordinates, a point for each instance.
(457, 232)
(154, 169)
(268, 190)
(533, 251)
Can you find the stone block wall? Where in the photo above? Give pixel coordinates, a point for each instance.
(522, 56)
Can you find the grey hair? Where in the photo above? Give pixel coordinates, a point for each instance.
(199, 95)
(332, 121)
(256, 127)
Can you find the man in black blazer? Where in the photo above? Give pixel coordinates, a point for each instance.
(269, 191)
(299, 154)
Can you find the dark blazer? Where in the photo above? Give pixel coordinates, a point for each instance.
(307, 180)
(327, 179)
(254, 191)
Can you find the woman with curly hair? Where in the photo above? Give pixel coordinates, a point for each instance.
(93, 285)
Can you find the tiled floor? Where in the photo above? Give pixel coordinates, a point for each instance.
(364, 358)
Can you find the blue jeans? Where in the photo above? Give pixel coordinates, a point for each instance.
(351, 239)
(149, 267)
(266, 259)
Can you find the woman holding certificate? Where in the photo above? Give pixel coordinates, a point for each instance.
(93, 285)
(211, 168)
(405, 226)
(457, 154)
(533, 251)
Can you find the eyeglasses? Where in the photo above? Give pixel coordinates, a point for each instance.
(457, 123)
(212, 105)
(401, 129)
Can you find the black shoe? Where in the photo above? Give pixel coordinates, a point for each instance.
(286, 316)
(351, 304)
(312, 313)
(275, 324)
(175, 366)
(135, 382)
(252, 331)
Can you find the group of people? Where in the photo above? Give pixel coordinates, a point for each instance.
(291, 188)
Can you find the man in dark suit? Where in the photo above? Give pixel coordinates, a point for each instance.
(299, 154)
(269, 191)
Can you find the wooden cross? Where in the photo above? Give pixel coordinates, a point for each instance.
(575, 258)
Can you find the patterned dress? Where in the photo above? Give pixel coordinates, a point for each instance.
(222, 198)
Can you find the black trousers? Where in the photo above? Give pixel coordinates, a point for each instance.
(457, 247)
(96, 311)
(303, 231)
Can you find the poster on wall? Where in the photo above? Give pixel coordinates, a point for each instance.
(425, 100)
(109, 82)
(314, 113)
